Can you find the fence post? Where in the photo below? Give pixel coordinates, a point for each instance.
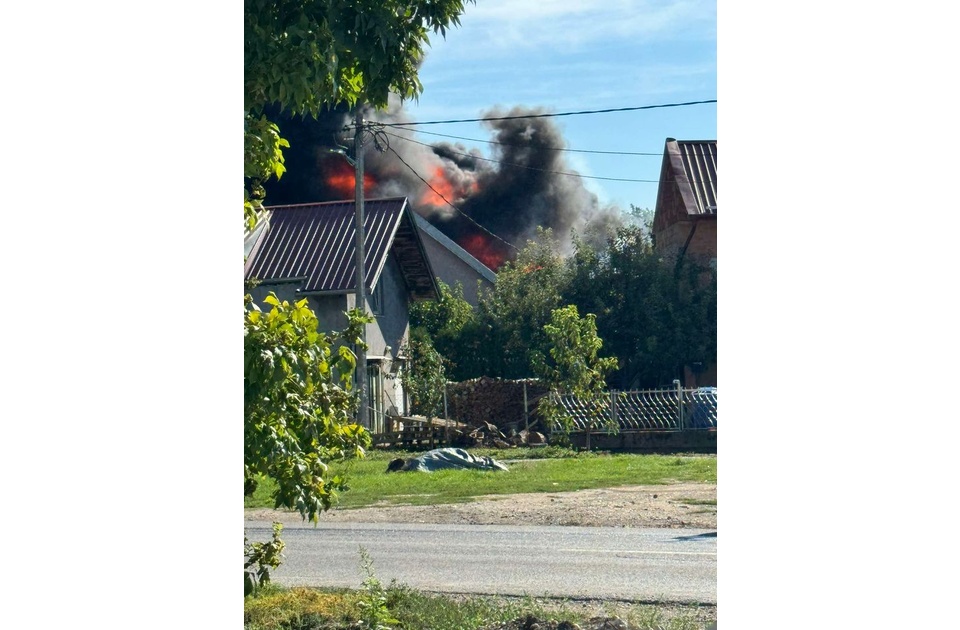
(446, 416)
(526, 409)
(613, 408)
(679, 404)
(550, 422)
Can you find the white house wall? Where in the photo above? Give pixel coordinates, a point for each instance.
(451, 270)
(392, 326)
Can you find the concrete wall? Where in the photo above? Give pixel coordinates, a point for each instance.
(392, 325)
(650, 441)
(389, 333)
(452, 269)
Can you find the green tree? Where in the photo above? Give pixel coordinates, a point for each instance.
(304, 55)
(641, 217)
(498, 337)
(512, 317)
(298, 403)
(573, 367)
(444, 317)
(451, 325)
(262, 159)
(301, 56)
(426, 377)
(655, 316)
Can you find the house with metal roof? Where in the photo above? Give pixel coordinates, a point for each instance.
(308, 251)
(685, 219)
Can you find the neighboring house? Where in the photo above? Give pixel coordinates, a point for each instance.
(308, 250)
(685, 220)
(454, 264)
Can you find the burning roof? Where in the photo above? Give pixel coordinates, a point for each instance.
(521, 187)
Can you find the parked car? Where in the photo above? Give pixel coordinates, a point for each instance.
(702, 409)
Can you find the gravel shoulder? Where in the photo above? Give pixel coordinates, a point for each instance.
(677, 505)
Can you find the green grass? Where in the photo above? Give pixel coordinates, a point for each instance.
(560, 471)
(687, 501)
(276, 608)
(299, 608)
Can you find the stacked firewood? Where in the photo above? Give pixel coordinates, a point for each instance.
(489, 436)
(494, 401)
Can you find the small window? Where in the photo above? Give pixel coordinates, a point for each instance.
(376, 299)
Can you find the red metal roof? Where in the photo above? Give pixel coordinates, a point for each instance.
(698, 160)
(314, 245)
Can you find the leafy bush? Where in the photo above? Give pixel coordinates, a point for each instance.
(259, 558)
(374, 612)
(298, 403)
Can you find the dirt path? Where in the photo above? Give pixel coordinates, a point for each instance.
(692, 505)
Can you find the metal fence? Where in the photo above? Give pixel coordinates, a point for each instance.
(676, 409)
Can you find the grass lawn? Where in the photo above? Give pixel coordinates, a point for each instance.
(531, 470)
(300, 608)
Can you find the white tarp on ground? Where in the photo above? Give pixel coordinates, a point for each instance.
(444, 458)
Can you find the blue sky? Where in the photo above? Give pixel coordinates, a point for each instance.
(574, 55)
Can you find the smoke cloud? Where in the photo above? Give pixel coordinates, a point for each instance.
(519, 187)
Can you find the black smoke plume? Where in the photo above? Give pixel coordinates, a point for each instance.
(520, 186)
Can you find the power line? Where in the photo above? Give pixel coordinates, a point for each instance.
(437, 192)
(520, 146)
(580, 113)
(533, 168)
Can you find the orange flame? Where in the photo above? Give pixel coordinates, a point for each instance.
(483, 249)
(341, 177)
(440, 188)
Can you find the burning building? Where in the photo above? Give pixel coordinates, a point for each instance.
(489, 206)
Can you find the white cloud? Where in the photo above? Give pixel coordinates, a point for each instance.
(493, 28)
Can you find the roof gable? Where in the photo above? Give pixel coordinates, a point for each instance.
(314, 244)
(442, 239)
(688, 182)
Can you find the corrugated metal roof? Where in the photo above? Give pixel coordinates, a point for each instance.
(699, 162)
(315, 244)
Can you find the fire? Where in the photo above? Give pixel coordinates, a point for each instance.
(484, 249)
(341, 178)
(440, 185)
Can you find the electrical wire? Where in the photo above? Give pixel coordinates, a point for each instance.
(520, 146)
(447, 201)
(580, 113)
(533, 168)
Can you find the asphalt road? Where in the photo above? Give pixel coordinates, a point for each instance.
(670, 565)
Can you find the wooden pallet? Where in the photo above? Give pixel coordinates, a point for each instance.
(418, 432)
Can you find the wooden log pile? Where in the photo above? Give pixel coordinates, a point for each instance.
(481, 413)
(418, 432)
(489, 436)
(498, 402)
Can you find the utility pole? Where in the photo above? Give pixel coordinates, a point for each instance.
(363, 415)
